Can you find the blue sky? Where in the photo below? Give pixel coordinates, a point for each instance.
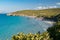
(15, 5)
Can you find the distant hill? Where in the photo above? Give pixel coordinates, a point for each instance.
(45, 12)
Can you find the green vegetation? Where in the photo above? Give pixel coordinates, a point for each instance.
(54, 32)
(30, 36)
(39, 13)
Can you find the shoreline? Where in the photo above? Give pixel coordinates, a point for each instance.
(41, 18)
(50, 22)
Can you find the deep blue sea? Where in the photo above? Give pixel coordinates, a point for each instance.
(10, 25)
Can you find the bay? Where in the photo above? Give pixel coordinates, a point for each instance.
(10, 25)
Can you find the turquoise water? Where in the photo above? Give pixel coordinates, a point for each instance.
(10, 25)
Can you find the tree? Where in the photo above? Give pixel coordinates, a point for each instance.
(54, 32)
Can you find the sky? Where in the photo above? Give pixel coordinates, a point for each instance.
(16, 5)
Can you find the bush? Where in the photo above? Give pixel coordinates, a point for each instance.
(30, 36)
(54, 32)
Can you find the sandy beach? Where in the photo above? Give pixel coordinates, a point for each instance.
(50, 22)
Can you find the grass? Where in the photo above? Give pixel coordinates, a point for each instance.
(45, 12)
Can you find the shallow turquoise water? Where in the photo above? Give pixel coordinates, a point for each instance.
(10, 25)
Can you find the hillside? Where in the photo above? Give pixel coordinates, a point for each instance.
(45, 12)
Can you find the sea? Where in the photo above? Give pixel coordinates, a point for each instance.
(11, 25)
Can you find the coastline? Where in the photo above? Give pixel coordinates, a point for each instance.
(50, 22)
(40, 18)
(30, 16)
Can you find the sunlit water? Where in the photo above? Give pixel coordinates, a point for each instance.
(10, 25)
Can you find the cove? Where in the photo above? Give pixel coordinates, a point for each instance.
(10, 25)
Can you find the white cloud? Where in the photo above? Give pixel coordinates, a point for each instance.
(58, 3)
(46, 7)
(52, 7)
(41, 7)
